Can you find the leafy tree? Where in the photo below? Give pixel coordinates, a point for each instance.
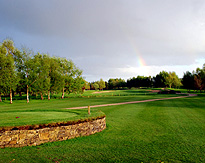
(3, 64)
(55, 75)
(42, 83)
(106, 85)
(199, 79)
(203, 76)
(169, 80)
(116, 83)
(140, 81)
(91, 86)
(87, 85)
(172, 80)
(160, 79)
(131, 82)
(188, 81)
(9, 78)
(101, 84)
(30, 71)
(96, 86)
(198, 82)
(111, 83)
(79, 82)
(24, 71)
(121, 83)
(68, 75)
(72, 77)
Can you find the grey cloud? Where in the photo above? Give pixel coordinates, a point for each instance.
(167, 32)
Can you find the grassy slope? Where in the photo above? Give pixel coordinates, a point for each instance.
(169, 131)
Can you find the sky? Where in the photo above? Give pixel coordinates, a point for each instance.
(111, 38)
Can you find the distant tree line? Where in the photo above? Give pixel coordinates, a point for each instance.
(190, 81)
(21, 71)
(97, 85)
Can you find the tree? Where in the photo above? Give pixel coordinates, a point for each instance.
(96, 86)
(116, 83)
(106, 85)
(101, 84)
(9, 78)
(197, 82)
(55, 75)
(172, 80)
(140, 81)
(79, 83)
(67, 74)
(3, 65)
(160, 79)
(72, 77)
(87, 85)
(30, 71)
(111, 83)
(199, 79)
(22, 71)
(42, 83)
(203, 76)
(169, 80)
(92, 86)
(188, 81)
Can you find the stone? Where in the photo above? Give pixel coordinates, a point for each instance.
(6, 138)
(13, 142)
(20, 138)
(44, 136)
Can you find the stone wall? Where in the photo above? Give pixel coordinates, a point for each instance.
(20, 138)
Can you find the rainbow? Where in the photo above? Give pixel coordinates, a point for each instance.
(140, 60)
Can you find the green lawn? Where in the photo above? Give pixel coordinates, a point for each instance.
(44, 111)
(159, 131)
(24, 118)
(94, 93)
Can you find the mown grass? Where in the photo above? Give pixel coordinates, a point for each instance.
(104, 93)
(93, 93)
(159, 131)
(44, 111)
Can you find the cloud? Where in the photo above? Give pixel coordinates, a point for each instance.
(102, 37)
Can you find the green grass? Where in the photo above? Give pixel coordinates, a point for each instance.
(159, 131)
(34, 114)
(29, 118)
(104, 93)
(44, 111)
(91, 93)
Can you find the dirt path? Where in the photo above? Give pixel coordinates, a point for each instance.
(131, 102)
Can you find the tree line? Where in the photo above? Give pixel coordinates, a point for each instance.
(24, 71)
(194, 80)
(190, 81)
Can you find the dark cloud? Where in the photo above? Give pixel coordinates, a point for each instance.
(103, 36)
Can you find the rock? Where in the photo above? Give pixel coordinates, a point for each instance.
(20, 138)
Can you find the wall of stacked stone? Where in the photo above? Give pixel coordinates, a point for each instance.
(20, 138)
